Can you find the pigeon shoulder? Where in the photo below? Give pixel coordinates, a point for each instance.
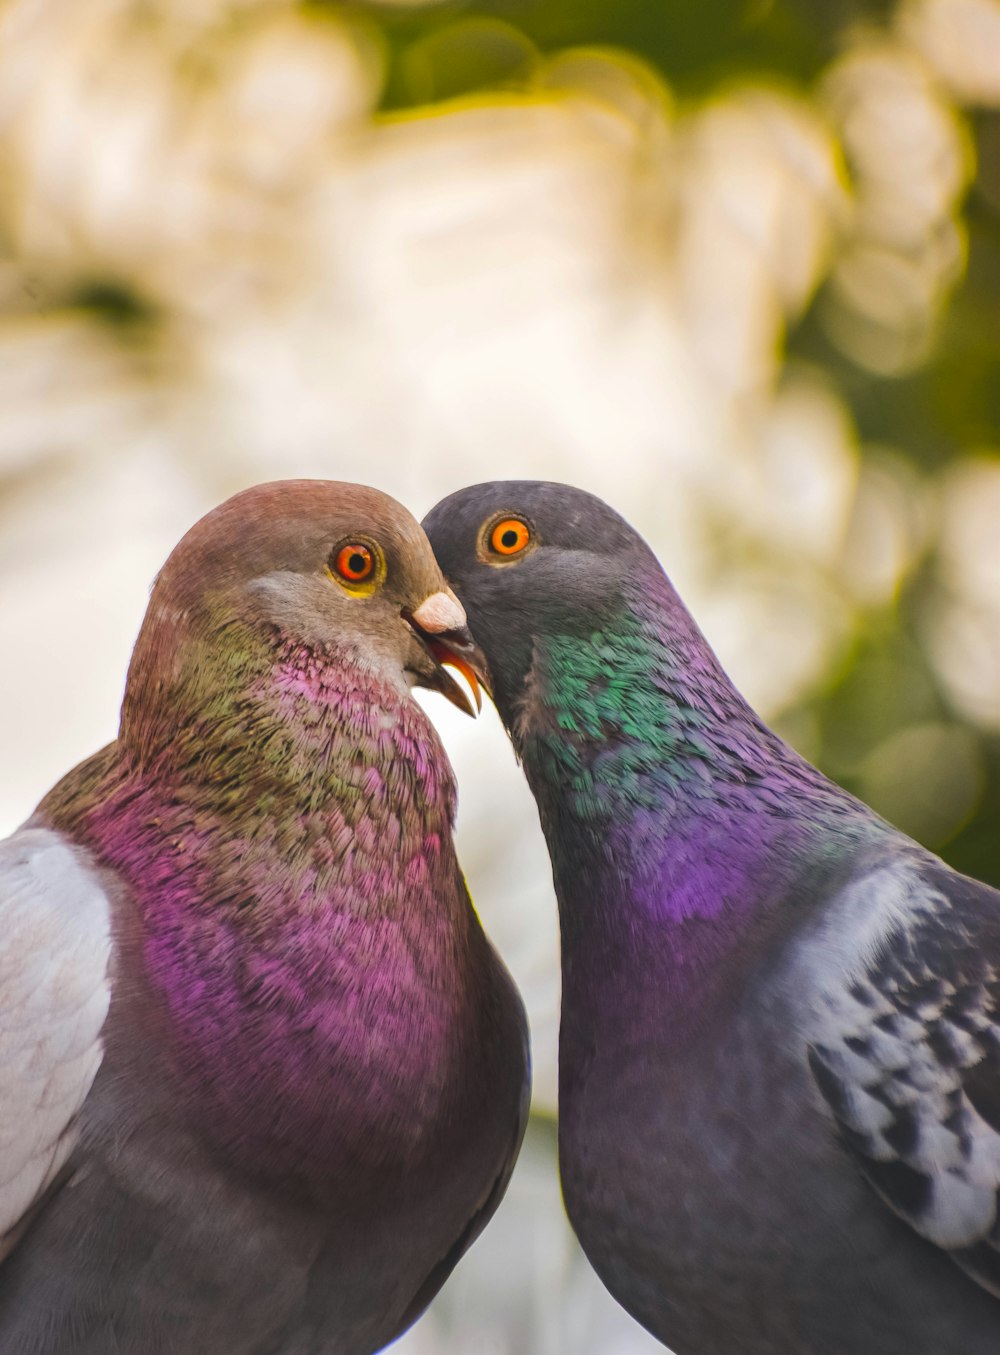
(899, 998)
(55, 992)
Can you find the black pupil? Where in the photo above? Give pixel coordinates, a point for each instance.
(509, 538)
(357, 562)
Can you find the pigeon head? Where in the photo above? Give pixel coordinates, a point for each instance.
(532, 559)
(306, 566)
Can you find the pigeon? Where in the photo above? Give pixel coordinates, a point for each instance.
(264, 1078)
(779, 1063)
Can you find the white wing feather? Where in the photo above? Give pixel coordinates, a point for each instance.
(904, 1044)
(55, 947)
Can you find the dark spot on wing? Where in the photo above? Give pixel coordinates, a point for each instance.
(863, 993)
(944, 1046)
(830, 1085)
(904, 1187)
(981, 1084)
(904, 1132)
(957, 1120)
(933, 989)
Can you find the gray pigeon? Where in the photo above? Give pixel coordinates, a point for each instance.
(264, 1078)
(779, 1063)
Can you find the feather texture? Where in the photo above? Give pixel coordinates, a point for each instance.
(906, 1052)
(55, 949)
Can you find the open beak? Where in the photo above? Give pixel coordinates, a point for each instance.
(439, 623)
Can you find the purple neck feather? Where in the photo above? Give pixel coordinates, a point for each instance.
(670, 810)
(289, 854)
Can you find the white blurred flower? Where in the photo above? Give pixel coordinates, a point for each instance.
(965, 621)
(890, 526)
(78, 554)
(170, 159)
(910, 159)
(67, 388)
(960, 40)
(760, 204)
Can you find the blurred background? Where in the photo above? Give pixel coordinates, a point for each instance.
(734, 266)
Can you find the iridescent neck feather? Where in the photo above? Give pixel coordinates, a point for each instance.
(296, 904)
(299, 756)
(657, 785)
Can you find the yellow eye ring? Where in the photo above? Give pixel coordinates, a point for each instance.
(509, 537)
(357, 565)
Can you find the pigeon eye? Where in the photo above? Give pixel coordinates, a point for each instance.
(354, 562)
(509, 536)
(357, 565)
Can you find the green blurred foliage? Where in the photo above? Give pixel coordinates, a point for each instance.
(694, 46)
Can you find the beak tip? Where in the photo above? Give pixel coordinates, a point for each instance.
(441, 623)
(459, 695)
(462, 665)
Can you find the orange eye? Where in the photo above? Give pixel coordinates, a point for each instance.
(354, 562)
(509, 536)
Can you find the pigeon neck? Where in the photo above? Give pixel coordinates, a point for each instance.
(297, 900)
(255, 724)
(663, 797)
(306, 767)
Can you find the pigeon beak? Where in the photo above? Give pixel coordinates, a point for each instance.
(440, 624)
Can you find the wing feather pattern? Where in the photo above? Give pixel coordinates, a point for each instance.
(907, 1054)
(54, 994)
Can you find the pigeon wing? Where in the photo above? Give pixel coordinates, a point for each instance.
(907, 1054)
(54, 994)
